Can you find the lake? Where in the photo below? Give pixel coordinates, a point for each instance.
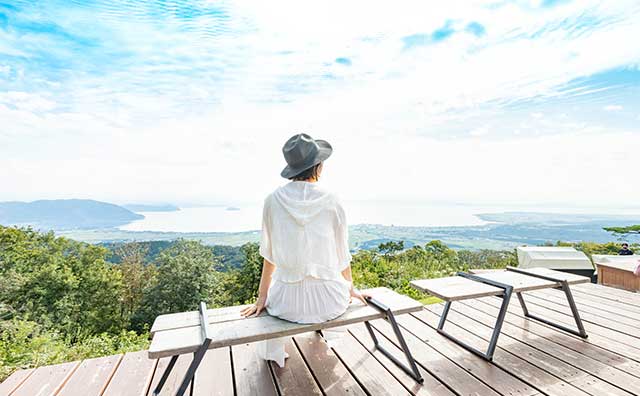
(248, 217)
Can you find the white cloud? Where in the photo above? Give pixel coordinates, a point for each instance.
(210, 128)
(612, 108)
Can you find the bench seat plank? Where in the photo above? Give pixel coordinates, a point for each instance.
(235, 332)
(454, 288)
(571, 279)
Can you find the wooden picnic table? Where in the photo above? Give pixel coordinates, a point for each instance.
(503, 284)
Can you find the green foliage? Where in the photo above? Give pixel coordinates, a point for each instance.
(186, 275)
(59, 282)
(390, 267)
(621, 231)
(25, 344)
(60, 300)
(591, 248)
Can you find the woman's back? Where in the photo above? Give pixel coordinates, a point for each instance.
(304, 233)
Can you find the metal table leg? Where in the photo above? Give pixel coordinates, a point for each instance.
(411, 369)
(497, 328)
(564, 285)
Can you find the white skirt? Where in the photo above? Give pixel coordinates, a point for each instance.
(311, 300)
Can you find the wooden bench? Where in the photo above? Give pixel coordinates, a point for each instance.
(196, 332)
(501, 284)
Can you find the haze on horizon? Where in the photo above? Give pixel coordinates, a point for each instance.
(515, 102)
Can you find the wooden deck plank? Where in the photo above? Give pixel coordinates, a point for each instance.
(609, 309)
(371, 375)
(595, 295)
(252, 374)
(46, 380)
(590, 347)
(188, 339)
(591, 366)
(464, 373)
(626, 334)
(396, 301)
(541, 371)
(431, 385)
(333, 376)
(214, 376)
(91, 377)
(603, 341)
(611, 292)
(133, 375)
(294, 378)
(14, 381)
(588, 314)
(175, 377)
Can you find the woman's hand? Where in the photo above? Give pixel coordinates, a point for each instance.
(353, 293)
(254, 309)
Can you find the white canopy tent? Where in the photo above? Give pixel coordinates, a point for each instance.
(557, 258)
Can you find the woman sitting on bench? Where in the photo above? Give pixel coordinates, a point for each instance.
(306, 275)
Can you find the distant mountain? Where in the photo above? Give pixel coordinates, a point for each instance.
(151, 208)
(65, 214)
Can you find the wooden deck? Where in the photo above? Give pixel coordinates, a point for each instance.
(531, 358)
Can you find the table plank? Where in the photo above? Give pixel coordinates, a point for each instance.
(455, 288)
(46, 380)
(14, 381)
(133, 376)
(572, 279)
(188, 339)
(91, 377)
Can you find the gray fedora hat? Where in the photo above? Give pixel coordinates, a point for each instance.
(302, 152)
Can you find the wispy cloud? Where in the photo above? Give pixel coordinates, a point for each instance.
(612, 107)
(155, 90)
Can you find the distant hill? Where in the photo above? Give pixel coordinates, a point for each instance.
(151, 208)
(65, 214)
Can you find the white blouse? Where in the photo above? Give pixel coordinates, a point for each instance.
(304, 233)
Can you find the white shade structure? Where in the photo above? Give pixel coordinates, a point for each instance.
(557, 258)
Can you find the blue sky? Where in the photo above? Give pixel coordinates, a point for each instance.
(534, 102)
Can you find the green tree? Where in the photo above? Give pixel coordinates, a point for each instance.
(622, 231)
(59, 283)
(186, 275)
(137, 276)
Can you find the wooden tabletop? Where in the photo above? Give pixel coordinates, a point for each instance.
(455, 288)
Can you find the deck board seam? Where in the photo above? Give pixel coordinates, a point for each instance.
(19, 384)
(470, 372)
(112, 374)
(308, 366)
(590, 373)
(353, 374)
(611, 341)
(500, 366)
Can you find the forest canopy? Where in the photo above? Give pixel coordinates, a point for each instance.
(63, 300)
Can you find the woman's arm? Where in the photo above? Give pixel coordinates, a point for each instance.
(346, 273)
(263, 290)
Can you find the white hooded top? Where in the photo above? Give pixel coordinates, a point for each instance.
(304, 233)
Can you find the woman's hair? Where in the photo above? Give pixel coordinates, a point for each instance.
(307, 174)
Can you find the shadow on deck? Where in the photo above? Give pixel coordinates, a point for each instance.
(531, 358)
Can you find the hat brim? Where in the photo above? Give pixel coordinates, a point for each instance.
(324, 152)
